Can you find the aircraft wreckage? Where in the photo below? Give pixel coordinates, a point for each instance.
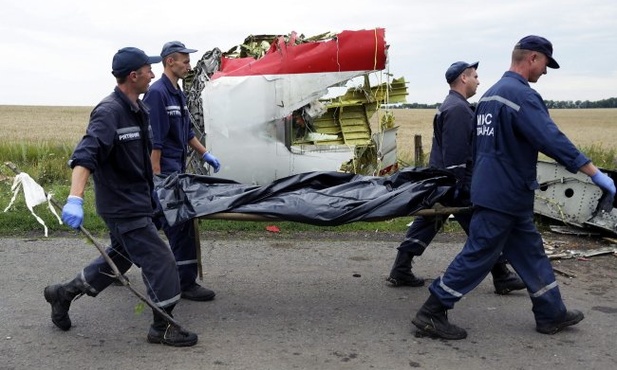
(267, 109)
(313, 160)
(574, 199)
(264, 108)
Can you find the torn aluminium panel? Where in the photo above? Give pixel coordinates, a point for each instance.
(573, 199)
(264, 107)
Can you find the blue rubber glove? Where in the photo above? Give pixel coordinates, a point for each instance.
(73, 211)
(603, 181)
(212, 161)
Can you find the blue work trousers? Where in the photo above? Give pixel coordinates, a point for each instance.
(183, 245)
(423, 230)
(493, 233)
(136, 240)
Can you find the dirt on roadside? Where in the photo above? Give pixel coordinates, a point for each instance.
(566, 251)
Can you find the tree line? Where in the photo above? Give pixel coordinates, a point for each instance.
(551, 104)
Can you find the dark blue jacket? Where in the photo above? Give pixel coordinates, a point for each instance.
(512, 126)
(171, 124)
(116, 149)
(453, 127)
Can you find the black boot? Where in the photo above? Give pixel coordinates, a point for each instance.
(161, 331)
(401, 274)
(432, 321)
(505, 280)
(198, 293)
(570, 318)
(60, 297)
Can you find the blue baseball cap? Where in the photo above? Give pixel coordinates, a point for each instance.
(539, 44)
(457, 68)
(175, 47)
(130, 59)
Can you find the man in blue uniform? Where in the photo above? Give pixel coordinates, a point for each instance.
(116, 151)
(453, 127)
(172, 136)
(512, 126)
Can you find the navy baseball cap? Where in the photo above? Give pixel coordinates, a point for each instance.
(130, 59)
(175, 47)
(539, 44)
(457, 68)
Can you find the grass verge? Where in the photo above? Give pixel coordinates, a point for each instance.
(46, 164)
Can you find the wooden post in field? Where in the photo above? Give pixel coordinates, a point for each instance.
(418, 154)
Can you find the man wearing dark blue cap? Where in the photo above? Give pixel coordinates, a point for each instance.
(453, 126)
(115, 150)
(512, 126)
(172, 136)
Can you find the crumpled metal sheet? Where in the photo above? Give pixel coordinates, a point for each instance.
(319, 198)
(572, 198)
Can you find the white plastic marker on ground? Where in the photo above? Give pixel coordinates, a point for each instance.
(34, 194)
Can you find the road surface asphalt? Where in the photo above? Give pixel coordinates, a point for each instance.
(298, 301)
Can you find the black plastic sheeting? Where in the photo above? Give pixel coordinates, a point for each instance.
(317, 198)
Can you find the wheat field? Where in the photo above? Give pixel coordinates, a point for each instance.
(585, 127)
(52, 124)
(66, 125)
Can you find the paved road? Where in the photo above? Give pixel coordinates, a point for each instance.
(295, 303)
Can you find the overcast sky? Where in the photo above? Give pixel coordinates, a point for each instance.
(59, 52)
